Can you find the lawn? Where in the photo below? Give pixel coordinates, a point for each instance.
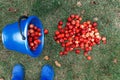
(105, 64)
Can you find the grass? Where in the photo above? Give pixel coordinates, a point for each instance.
(74, 67)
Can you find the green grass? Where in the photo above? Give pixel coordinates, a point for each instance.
(74, 67)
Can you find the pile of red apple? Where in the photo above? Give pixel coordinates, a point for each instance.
(34, 33)
(77, 35)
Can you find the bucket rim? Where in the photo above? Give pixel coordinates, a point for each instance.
(34, 53)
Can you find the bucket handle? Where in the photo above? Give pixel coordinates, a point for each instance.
(20, 18)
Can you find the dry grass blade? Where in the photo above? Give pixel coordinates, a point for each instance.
(57, 64)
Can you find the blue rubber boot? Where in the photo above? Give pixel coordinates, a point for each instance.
(47, 73)
(18, 72)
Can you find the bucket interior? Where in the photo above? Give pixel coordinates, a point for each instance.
(34, 20)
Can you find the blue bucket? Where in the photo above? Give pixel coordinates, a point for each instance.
(14, 36)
